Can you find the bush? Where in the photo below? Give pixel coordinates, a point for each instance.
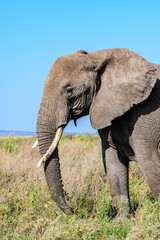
(10, 145)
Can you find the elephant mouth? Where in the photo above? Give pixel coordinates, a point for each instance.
(77, 113)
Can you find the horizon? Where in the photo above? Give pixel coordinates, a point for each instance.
(35, 34)
(6, 133)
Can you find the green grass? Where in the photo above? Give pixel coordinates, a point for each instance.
(10, 145)
(28, 212)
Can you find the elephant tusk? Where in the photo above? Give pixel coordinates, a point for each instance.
(35, 144)
(52, 146)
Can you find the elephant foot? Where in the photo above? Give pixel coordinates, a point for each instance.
(122, 205)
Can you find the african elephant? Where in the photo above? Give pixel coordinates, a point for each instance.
(120, 91)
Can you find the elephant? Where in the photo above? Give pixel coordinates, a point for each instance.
(120, 91)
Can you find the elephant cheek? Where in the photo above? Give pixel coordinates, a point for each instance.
(61, 113)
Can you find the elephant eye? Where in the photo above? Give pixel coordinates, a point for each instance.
(69, 90)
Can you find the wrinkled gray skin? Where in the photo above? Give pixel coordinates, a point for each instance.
(121, 92)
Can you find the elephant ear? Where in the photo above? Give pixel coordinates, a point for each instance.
(125, 79)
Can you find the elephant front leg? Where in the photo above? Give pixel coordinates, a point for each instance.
(117, 175)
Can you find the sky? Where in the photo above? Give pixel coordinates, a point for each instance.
(34, 33)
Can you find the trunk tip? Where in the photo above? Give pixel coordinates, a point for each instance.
(68, 211)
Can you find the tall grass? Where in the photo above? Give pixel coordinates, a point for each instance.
(28, 212)
(10, 145)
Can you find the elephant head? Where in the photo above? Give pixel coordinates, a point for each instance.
(104, 84)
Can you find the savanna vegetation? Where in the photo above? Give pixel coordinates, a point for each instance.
(28, 212)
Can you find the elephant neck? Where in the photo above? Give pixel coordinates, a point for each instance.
(155, 94)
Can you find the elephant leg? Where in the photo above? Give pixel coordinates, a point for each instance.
(148, 156)
(117, 176)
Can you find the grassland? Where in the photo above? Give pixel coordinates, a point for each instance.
(28, 212)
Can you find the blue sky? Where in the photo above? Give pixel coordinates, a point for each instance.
(35, 33)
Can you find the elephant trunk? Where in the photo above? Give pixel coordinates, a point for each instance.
(45, 135)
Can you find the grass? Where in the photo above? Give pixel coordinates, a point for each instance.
(28, 212)
(10, 145)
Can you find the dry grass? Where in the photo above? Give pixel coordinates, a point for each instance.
(28, 212)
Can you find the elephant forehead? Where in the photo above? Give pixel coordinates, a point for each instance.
(65, 66)
(62, 70)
